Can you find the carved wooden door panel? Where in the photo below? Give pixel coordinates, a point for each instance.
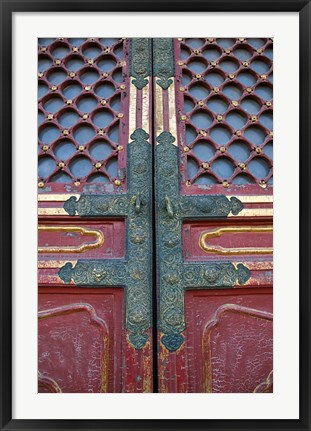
(213, 163)
(95, 217)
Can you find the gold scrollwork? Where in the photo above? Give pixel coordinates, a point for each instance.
(72, 249)
(217, 249)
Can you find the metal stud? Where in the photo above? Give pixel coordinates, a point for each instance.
(40, 74)
(258, 150)
(103, 102)
(45, 147)
(58, 62)
(119, 147)
(65, 132)
(238, 133)
(201, 103)
(203, 132)
(249, 89)
(98, 165)
(117, 182)
(183, 117)
(120, 115)
(186, 149)
(198, 76)
(77, 183)
(264, 77)
(205, 166)
(235, 103)
(222, 149)
(219, 118)
(268, 103)
(87, 88)
(61, 165)
(231, 75)
(53, 88)
(81, 147)
(254, 118)
(72, 74)
(85, 116)
(180, 63)
(41, 184)
(216, 89)
(181, 88)
(100, 132)
(122, 87)
(69, 102)
(50, 116)
(263, 184)
(242, 166)
(225, 184)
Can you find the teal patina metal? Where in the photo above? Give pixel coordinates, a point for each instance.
(140, 61)
(163, 61)
(134, 273)
(174, 275)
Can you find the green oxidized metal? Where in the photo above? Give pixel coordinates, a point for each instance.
(174, 275)
(134, 273)
(140, 61)
(163, 61)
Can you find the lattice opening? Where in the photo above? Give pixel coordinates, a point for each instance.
(80, 110)
(226, 110)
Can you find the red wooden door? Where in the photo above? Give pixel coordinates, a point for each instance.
(213, 158)
(212, 140)
(95, 217)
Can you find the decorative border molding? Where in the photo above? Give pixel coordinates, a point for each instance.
(134, 273)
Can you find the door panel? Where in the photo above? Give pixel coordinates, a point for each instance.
(95, 216)
(213, 160)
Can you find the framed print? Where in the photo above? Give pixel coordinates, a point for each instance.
(159, 232)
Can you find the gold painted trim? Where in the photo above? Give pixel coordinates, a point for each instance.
(159, 110)
(217, 249)
(72, 249)
(132, 109)
(254, 199)
(56, 197)
(254, 212)
(172, 111)
(145, 108)
(52, 211)
(54, 263)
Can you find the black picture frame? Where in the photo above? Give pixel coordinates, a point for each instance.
(7, 9)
